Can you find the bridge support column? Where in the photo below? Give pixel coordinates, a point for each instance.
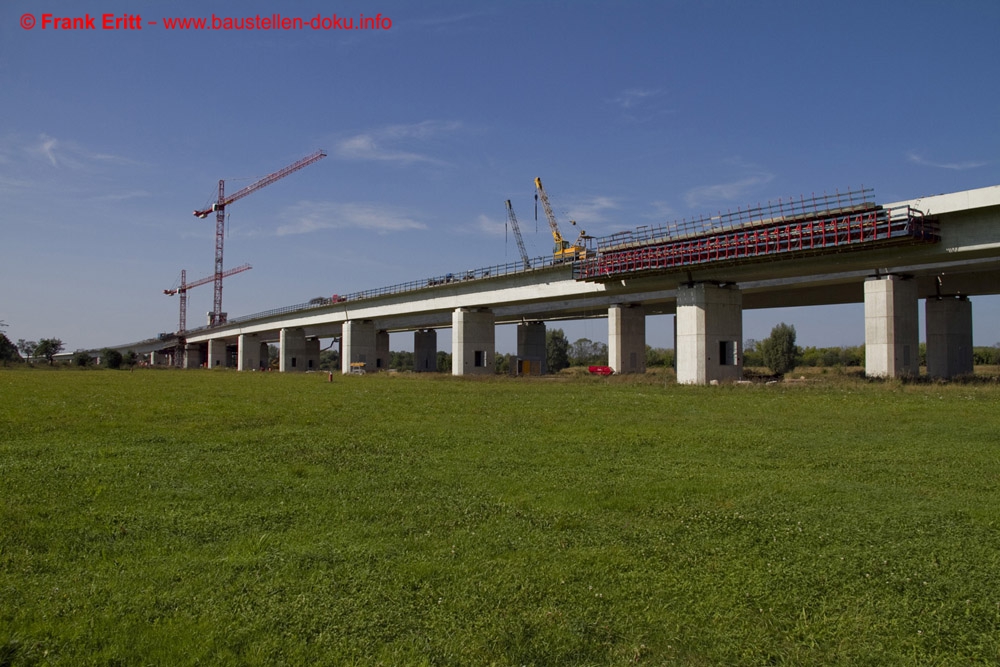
(627, 339)
(949, 336)
(216, 353)
(248, 356)
(382, 354)
(425, 351)
(292, 351)
(531, 348)
(473, 342)
(312, 354)
(192, 355)
(358, 345)
(709, 333)
(891, 332)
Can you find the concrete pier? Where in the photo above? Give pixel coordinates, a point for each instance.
(949, 336)
(216, 353)
(531, 348)
(425, 351)
(358, 346)
(292, 355)
(382, 354)
(709, 339)
(891, 327)
(627, 339)
(473, 342)
(192, 355)
(248, 356)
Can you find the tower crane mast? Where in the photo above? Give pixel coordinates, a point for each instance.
(517, 235)
(219, 207)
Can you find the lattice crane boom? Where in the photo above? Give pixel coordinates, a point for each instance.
(564, 250)
(219, 207)
(517, 235)
(184, 286)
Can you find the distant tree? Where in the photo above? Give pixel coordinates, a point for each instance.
(111, 358)
(556, 350)
(501, 363)
(585, 352)
(401, 361)
(751, 353)
(659, 356)
(443, 362)
(48, 348)
(27, 348)
(82, 358)
(778, 351)
(329, 360)
(8, 351)
(130, 359)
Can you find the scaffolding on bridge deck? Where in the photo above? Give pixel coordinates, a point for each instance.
(818, 225)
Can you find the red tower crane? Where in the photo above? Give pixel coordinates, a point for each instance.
(220, 220)
(184, 286)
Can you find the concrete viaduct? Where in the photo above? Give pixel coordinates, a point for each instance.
(707, 298)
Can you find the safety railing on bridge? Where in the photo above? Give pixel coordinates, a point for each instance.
(436, 282)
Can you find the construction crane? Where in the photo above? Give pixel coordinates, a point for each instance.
(219, 208)
(184, 286)
(517, 235)
(564, 250)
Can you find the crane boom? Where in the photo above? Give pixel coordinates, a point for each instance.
(517, 235)
(217, 316)
(267, 180)
(550, 216)
(564, 250)
(207, 279)
(184, 286)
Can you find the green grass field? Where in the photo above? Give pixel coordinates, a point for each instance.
(173, 518)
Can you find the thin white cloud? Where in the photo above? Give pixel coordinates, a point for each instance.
(392, 143)
(62, 153)
(46, 148)
(591, 211)
(957, 166)
(311, 216)
(726, 192)
(123, 196)
(661, 210)
(491, 227)
(632, 97)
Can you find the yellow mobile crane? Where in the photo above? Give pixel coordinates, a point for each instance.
(564, 250)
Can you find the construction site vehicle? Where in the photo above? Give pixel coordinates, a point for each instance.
(564, 251)
(357, 368)
(601, 370)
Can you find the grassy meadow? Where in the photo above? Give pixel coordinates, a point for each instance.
(180, 518)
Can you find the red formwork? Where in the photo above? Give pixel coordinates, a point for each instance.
(861, 227)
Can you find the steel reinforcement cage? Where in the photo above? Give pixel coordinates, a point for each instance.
(818, 225)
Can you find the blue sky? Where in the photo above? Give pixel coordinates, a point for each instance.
(633, 113)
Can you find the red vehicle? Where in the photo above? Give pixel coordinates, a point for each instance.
(601, 370)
